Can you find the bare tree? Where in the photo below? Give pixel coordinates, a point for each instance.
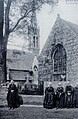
(25, 9)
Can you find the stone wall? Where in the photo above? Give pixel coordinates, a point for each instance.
(63, 33)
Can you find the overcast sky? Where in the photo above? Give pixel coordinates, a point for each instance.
(47, 16)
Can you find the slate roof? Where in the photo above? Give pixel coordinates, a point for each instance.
(20, 60)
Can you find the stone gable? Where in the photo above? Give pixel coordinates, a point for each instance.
(64, 34)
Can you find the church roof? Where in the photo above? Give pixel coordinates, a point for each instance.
(60, 23)
(19, 60)
(73, 26)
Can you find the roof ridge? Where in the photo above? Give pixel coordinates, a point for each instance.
(72, 26)
(57, 19)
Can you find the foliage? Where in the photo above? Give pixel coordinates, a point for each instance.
(18, 13)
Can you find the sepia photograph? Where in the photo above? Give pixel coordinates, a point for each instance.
(38, 59)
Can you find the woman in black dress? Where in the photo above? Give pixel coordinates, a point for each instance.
(49, 99)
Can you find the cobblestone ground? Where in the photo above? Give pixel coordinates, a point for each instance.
(25, 112)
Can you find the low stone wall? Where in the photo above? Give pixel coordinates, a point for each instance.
(30, 99)
(27, 99)
(3, 95)
(33, 99)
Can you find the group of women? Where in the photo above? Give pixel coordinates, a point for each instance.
(61, 98)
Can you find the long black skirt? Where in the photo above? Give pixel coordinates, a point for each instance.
(49, 100)
(60, 101)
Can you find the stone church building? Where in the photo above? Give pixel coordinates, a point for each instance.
(20, 64)
(58, 60)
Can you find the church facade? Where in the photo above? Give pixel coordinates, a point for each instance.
(58, 60)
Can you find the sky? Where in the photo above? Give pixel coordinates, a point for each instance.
(46, 18)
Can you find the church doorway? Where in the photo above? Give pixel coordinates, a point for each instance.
(59, 63)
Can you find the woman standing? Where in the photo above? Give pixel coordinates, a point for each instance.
(49, 99)
(12, 96)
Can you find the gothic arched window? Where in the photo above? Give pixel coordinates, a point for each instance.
(59, 61)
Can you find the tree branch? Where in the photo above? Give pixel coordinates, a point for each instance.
(19, 20)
